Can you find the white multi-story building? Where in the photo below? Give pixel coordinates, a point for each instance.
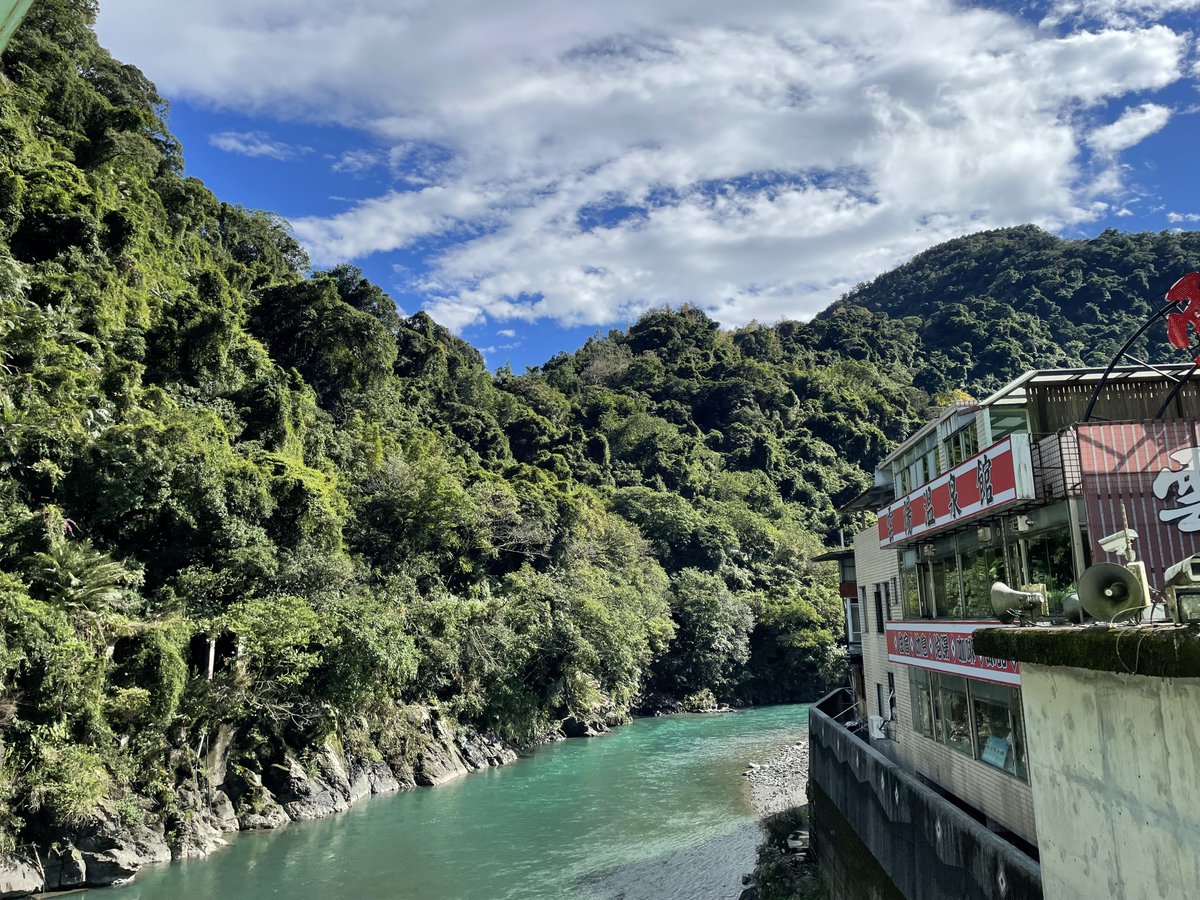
(1018, 489)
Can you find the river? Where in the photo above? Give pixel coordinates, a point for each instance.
(657, 810)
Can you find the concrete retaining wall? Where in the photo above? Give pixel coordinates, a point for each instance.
(926, 848)
(1116, 778)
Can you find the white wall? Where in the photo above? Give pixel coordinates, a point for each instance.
(1007, 800)
(1116, 782)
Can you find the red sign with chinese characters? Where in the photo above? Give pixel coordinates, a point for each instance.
(1187, 292)
(1000, 475)
(948, 647)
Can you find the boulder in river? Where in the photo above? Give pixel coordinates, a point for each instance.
(17, 877)
(110, 847)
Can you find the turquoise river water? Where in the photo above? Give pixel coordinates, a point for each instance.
(657, 810)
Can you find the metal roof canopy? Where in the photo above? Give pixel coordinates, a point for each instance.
(1016, 390)
(11, 14)
(835, 554)
(869, 500)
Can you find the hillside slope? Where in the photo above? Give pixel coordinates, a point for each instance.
(993, 304)
(247, 509)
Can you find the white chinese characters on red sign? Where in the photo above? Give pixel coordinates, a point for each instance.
(993, 478)
(948, 647)
(1185, 483)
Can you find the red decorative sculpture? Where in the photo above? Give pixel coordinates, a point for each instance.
(1185, 290)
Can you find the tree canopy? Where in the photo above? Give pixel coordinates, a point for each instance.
(235, 490)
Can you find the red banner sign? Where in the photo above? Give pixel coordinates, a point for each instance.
(948, 647)
(1000, 475)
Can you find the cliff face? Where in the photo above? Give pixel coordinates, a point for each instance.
(234, 782)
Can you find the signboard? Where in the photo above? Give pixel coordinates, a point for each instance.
(1000, 475)
(1151, 470)
(995, 752)
(948, 647)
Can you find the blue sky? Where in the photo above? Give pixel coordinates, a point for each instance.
(533, 172)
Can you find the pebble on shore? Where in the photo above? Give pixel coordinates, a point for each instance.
(779, 783)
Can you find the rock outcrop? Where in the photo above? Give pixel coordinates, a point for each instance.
(227, 787)
(109, 848)
(18, 878)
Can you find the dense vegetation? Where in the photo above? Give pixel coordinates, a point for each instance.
(233, 490)
(986, 307)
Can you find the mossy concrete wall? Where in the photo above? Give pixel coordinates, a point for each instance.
(1164, 651)
(1115, 765)
(907, 841)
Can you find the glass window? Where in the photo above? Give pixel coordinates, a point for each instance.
(855, 622)
(982, 566)
(969, 438)
(1007, 420)
(942, 576)
(962, 445)
(1051, 563)
(956, 714)
(922, 705)
(935, 697)
(933, 465)
(999, 731)
(848, 573)
(908, 582)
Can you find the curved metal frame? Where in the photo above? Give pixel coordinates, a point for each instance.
(1175, 390)
(1161, 314)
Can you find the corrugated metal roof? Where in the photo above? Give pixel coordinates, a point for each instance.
(1038, 377)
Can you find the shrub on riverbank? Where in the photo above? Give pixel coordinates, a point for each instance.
(781, 874)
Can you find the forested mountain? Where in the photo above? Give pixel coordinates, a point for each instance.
(238, 493)
(988, 306)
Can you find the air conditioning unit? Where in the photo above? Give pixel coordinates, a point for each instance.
(876, 726)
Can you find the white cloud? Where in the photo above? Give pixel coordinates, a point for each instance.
(1175, 218)
(356, 162)
(1135, 125)
(507, 332)
(1117, 12)
(757, 158)
(496, 348)
(254, 143)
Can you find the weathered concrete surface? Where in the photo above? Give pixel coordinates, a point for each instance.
(1163, 651)
(926, 848)
(1115, 763)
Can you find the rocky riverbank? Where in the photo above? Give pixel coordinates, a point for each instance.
(778, 788)
(237, 782)
(779, 783)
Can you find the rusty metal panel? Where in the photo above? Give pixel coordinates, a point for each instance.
(1151, 470)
